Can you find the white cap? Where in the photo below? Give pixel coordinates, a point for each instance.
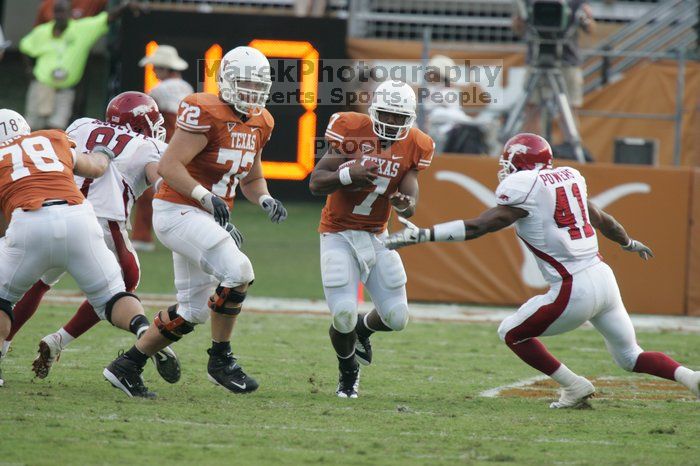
(443, 65)
(165, 56)
(12, 124)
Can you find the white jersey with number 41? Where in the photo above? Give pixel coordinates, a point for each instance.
(113, 194)
(556, 229)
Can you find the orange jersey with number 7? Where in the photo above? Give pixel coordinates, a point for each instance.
(230, 151)
(368, 209)
(36, 168)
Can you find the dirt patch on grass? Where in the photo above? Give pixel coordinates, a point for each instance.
(618, 388)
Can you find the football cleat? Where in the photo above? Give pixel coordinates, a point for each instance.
(2, 381)
(167, 364)
(225, 371)
(575, 396)
(363, 351)
(348, 383)
(125, 374)
(49, 352)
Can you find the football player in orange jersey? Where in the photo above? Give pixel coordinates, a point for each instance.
(217, 144)
(371, 168)
(52, 226)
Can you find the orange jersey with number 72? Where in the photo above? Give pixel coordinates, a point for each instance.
(36, 168)
(368, 209)
(230, 151)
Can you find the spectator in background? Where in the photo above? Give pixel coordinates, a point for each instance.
(171, 89)
(4, 44)
(581, 17)
(56, 54)
(79, 9)
(443, 104)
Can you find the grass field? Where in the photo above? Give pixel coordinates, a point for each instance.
(419, 403)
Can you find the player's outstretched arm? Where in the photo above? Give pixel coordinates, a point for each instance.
(254, 188)
(614, 231)
(327, 178)
(94, 164)
(490, 221)
(183, 147)
(405, 200)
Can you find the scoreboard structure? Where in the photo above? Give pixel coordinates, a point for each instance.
(296, 48)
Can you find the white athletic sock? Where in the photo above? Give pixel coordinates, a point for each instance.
(66, 337)
(564, 376)
(683, 375)
(5, 347)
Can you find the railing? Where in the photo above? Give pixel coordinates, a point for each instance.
(667, 27)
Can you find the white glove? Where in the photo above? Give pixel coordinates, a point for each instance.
(235, 234)
(274, 208)
(408, 236)
(639, 247)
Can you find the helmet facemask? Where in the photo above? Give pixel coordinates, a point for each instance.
(507, 168)
(389, 131)
(153, 129)
(247, 95)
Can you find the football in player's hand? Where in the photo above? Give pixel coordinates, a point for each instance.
(362, 174)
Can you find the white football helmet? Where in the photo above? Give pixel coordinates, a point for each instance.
(244, 80)
(12, 124)
(393, 97)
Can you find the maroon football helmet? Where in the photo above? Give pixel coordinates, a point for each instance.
(524, 151)
(138, 112)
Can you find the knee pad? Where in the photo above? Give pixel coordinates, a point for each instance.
(6, 307)
(227, 301)
(395, 316)
(176, 328)
(344, 316)
(112, 301)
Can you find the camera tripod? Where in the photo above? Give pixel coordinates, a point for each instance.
(555, 105)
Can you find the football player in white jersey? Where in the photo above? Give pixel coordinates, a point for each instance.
(552, 216)
(134, 132)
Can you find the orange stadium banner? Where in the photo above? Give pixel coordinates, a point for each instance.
(654, 204)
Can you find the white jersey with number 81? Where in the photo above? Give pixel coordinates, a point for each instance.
(113, 194)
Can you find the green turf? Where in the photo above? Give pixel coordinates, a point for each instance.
(285, 256)
(419, 403)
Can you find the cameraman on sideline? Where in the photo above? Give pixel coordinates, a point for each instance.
(581, 17)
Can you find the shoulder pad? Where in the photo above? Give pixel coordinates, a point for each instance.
(516, 188)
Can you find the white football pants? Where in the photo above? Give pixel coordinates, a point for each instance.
(58, 238)
(589, 295)
(349, 257)
(204, 255)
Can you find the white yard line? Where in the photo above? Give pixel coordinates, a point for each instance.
(494, 392)
(419, 311)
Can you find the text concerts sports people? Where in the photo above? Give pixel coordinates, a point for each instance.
(52, 226)
(217, 145)
(371, 167)
(553, 217)
(133, 131)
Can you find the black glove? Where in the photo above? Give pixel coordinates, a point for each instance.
(235, 234)
(274, 208)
